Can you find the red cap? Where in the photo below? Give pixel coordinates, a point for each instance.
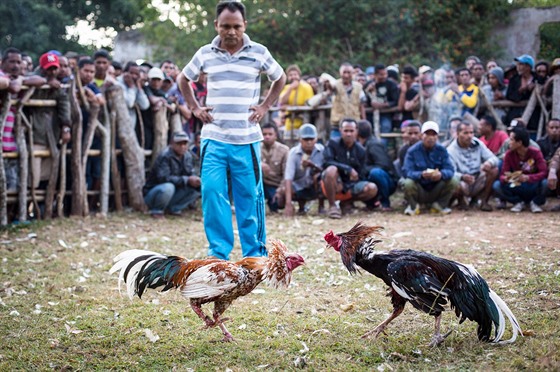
(48, 60)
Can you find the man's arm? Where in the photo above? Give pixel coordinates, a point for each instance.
(192, 104)
(260, 110)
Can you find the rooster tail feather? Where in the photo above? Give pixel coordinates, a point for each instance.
(500, 328)
(144, 269)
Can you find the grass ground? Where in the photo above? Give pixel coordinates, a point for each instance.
(61, 310)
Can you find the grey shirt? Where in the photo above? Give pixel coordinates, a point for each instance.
(301, 177)
(469, 160)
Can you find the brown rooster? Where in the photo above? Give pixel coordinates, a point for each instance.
(427, 282)
(208, 280)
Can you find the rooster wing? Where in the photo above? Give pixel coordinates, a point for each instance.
(214, 280)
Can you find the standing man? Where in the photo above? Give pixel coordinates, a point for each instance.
(347, 101)
(231, 134)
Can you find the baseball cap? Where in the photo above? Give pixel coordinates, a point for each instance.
(48, 60)
(555, 64)
(430, 125)
(526, 59)
(370, 70)
(155, 73)
(180, 136)
(307, 131)
(424, 69)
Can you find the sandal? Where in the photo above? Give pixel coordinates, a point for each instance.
(334, 212)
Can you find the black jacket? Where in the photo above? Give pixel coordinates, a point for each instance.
(169, 168)
(346, 159)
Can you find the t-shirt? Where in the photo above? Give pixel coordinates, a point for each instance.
(496, 141)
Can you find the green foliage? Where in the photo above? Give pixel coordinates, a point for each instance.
(320, 35)
(550, 41)
(35, 26)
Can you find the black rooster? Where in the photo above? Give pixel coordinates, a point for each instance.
(427, 282)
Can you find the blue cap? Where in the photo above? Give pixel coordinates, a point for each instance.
(55, 52)
(370, 70)
(526, 59)
(307, 131)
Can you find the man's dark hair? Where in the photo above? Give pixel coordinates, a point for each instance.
(357, 65)
(463, 124)
(10, 50)
(364, 129)
(232, 6)
(116, 65)
(101, 53)
(83, 62)
(379, 66)
(490, 120)
(129, 65)
(410, 70)
(348, 120)
(166, 61)
(461, 69)
(272, 125)
(414, 123)
(521, 135)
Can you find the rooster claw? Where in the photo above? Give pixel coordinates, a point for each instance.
(437, 339)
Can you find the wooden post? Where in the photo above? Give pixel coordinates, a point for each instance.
(55, 167)
(133, 155)
(114, 166)
(5, 97)
(79, 200)
(556, 96)
(62, 183)
(175, 123)
(530, 107)
(490, 108)
(161, 130)
(105, 131)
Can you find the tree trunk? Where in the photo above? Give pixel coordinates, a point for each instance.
(556, 96)
(175, 123)
(114, 166)
(133, 155)
(161, 130)
(53, 177)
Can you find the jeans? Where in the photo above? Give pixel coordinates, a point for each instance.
(167, 196)
(269, 192)
(526, 192)
(386, 186)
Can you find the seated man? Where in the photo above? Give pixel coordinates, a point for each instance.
(410, 137)
(429, 173)
(304, 165)
(273, 163)
(551, 141)
(490, 135)
(523, 176)
(378, 165)
(476, 167)
(344, 174)
(171, 184)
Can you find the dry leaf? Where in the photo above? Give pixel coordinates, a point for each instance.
(347, 307)
(151, 335)
(70, 330)
(62, 243)
(529, 333)
(305, 348)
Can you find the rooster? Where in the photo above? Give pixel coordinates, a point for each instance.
(207, 280)
(427, 282)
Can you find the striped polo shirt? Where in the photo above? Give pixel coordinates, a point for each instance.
(8, 139)
(233, 83)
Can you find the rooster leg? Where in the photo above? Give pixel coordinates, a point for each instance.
(205, 318)
(219, 308)
(227, 336)
(381, 327)
(438, 338)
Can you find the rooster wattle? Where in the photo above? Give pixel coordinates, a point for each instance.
(426, 281)
(207, 280)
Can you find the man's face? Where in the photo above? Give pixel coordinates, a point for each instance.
(269, 135)
(490, 65)
(407, 79)
(477, 71)
(541, 71)
(64, 70)
(465, 135)
(87, 72)
(168, 68)
(51, 72)
(349, 133)
(449, 77)
(413, 134)
(484, 127)
(134, 72)
(307, 144)
(553, 130)
(361, 78)
(156, 83)
(470, 63)
(493, 80)
(230, 27)
(380, 76)
(180, 148)
(293, 75)
(314, 83)
(12, 64)
(72, 63)
(346, 74)
(429, 139)
(465, 77)
(522, 68)
(513, 143)
(101, 66)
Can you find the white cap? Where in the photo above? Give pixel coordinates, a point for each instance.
(155, 73)
(430, 125)
(326, 77)
(424, 69)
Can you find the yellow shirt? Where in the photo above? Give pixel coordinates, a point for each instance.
(304, 92)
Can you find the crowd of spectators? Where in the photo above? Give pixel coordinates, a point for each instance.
(451, 152)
